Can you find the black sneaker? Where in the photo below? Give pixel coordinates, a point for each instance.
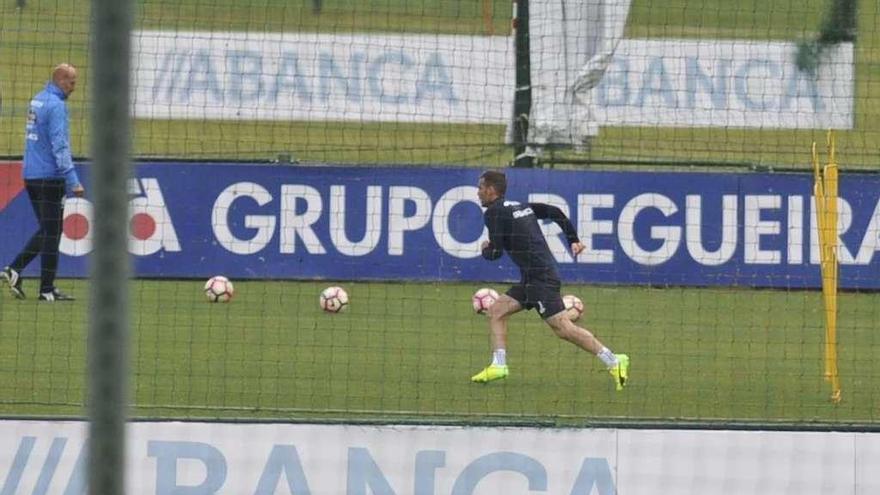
(14, 280)
(55, 295)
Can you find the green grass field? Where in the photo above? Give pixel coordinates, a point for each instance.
(405, 351)
(35, 38)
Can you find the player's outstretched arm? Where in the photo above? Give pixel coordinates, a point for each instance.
(545, 211)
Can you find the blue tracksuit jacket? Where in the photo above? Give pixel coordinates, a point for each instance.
(47, 138)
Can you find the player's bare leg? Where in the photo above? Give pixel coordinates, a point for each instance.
(581, 337)
(617, 364)
(498, 314)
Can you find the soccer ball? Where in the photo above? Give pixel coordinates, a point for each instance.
(574, 307)
(219, 289)
(333, 299)
(484, 298)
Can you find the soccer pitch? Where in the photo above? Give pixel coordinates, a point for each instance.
(405, 351)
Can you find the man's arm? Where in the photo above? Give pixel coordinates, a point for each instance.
(59, 137)
(494, 247)
(545, 211)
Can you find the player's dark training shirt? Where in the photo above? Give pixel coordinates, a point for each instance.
(513, 227)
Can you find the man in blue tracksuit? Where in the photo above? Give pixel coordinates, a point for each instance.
(48, 174)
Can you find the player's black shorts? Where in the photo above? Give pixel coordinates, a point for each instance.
(540, 294)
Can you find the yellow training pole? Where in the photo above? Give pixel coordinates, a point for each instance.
(820, 205)
(830, 268)
(825, 190)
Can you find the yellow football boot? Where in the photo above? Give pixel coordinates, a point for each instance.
(620, 372)
(490, 374)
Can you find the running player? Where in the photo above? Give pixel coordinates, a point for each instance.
(513, 227)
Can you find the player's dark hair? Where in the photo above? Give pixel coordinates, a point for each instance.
(495, 179)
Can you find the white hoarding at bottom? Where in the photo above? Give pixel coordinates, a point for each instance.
(737, 462)
(38, 457)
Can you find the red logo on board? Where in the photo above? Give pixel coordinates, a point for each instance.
(11, 182)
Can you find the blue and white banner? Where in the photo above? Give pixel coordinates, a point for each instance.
(359, 223)
(716, 83)
(307, 76)
(469, 79)
(168, 458)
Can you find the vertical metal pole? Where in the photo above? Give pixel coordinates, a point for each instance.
(522, 97)
(108, 340)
